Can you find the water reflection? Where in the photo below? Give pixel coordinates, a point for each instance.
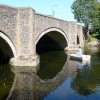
(87, 80)
(83, 83)
(69, 79)
(30, 86)
(6, 81)
(51, 63)
(82, 64)
(23, 85)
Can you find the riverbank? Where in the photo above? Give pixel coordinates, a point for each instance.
(92, 43)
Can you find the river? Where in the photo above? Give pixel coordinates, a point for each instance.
(57, 78)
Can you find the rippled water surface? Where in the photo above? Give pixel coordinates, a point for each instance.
(58, 78)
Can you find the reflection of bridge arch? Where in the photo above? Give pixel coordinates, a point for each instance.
(9, 42)
(55, 81)
(51, 84)
(49, 30)
(39, 86)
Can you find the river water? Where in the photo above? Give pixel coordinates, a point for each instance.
(56, 78)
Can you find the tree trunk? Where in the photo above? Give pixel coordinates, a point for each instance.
(88, 32)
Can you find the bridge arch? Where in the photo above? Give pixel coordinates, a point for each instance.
(49, 30)
(6, 38)
(51, 39)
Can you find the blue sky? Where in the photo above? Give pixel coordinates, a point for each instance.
(62, 10)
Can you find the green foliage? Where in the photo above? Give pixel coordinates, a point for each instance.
(88, 13)
(96, 21)
(85, 44)
(84, 11)
(95, 35)
(90, 38)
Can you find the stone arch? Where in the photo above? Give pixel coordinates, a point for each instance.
(48, 30)
(9, 43)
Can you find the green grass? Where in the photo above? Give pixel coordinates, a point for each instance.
(90, 38)
(86, 44)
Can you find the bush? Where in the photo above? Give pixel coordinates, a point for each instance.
(95, 34)
(90, 38)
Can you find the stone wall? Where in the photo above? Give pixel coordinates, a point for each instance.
(8, 22)
(72, 35)
(25, 32)
(43, 22)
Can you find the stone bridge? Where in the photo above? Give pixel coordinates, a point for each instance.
(24, 32)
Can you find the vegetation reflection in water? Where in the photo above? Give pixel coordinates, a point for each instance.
(6, 81)
(83, 83)
(29, 86)
(51, 63)
(87, 80)
(57, 78)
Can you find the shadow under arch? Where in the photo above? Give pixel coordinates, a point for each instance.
(52, 38)
(7, 49)
(49, 30)
(78, 39)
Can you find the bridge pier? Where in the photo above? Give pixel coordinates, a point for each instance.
(25, 60)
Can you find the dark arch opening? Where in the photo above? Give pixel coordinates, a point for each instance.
(5, 52)
(78, 42)
(50, 42)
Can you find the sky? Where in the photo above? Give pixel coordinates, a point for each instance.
(60, 7)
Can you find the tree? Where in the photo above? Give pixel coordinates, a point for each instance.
(96, 21)
(85, 11)
(96, 24)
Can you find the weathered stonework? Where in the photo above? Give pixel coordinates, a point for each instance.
(23, 28)
(8, 22)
